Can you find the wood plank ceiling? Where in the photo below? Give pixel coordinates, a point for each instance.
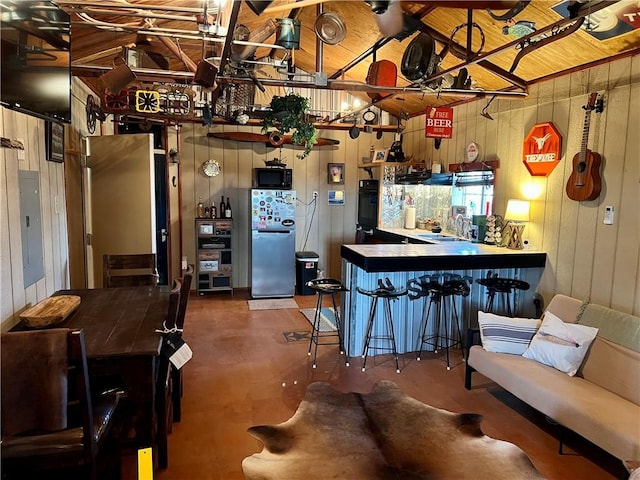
(488, 49)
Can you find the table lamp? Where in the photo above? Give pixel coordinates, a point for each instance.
(517, 213)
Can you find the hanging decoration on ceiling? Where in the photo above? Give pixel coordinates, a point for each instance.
(147, 101)
(529, 45)
(330, 28)
(518, 29)
(93, 113)
(382, 73)
(512, 12)
(291, 113)
(118, 101)
(175, 103)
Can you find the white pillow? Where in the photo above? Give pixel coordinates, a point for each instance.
(560, 345)
(506, 334)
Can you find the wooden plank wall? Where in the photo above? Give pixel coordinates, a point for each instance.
(14, 296)
(319, 227)
(586, 259)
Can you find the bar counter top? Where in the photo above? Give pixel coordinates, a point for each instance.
(451, 255)
(400, 262)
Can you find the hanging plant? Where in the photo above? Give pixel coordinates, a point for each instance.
(290, 113)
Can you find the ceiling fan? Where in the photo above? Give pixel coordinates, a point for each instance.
(389, 14)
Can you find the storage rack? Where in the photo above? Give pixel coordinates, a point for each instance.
(214, 269)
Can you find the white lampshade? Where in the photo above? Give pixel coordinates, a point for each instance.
(517, 211)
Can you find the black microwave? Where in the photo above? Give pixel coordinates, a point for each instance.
(276, 178)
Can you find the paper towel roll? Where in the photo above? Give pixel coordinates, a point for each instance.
(410, 218)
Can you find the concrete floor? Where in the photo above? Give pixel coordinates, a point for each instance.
(245, 373)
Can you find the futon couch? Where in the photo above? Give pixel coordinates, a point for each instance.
(601, 402)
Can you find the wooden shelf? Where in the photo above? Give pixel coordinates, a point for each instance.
(474, 166)
(214, 269)
(389, 164)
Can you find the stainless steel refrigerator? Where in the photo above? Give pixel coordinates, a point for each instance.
(273, 243)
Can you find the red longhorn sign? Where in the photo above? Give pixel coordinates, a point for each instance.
(542, 149)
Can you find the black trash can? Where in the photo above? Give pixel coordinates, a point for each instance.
(306, 269)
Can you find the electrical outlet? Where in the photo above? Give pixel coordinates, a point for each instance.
(315, 194)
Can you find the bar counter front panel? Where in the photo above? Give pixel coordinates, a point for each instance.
(364, 264)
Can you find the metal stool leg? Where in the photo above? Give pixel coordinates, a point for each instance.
(367, 340)
(389, 320)
(490, 297)
(456, 326)
(439, 312)
(447, 339)
(315, 330)
(453, 327)
(426, 309)
(510, 311)
(336, 314)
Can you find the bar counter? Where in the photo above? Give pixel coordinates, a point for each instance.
(364, 264)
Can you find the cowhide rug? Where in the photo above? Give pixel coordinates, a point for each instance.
(384, 434)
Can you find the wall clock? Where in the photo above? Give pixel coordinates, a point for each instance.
(369, 116)
(211, 168)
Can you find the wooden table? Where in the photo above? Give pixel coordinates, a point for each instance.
(122, 349)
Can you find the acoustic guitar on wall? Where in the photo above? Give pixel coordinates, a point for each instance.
(585, 182)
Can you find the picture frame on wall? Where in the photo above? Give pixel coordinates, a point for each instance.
(380, 156)
(335, 173)
(54, 141)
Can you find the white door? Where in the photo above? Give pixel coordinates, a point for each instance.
(121, 216)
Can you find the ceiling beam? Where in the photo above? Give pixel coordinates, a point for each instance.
(369, 51)
(155, 75)
(127, 6)
(226, 49)
(456, 49)
(583, 12)
(376, 46)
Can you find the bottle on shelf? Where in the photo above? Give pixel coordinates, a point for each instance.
(223, 207)
(200, 209)
(227, 212)
(213, 211)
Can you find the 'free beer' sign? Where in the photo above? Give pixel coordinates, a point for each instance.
(542, 149)
(439, 122)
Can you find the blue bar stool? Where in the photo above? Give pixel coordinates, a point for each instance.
(505, 289)
(442, 290)
(386, 292)
(326, 286)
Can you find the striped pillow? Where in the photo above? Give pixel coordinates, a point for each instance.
(505, 334)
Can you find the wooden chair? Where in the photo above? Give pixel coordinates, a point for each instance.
(176, 374)
(50, 424)
(164, 387)
(129, 270)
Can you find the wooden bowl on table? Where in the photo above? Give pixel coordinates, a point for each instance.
(50, 311)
